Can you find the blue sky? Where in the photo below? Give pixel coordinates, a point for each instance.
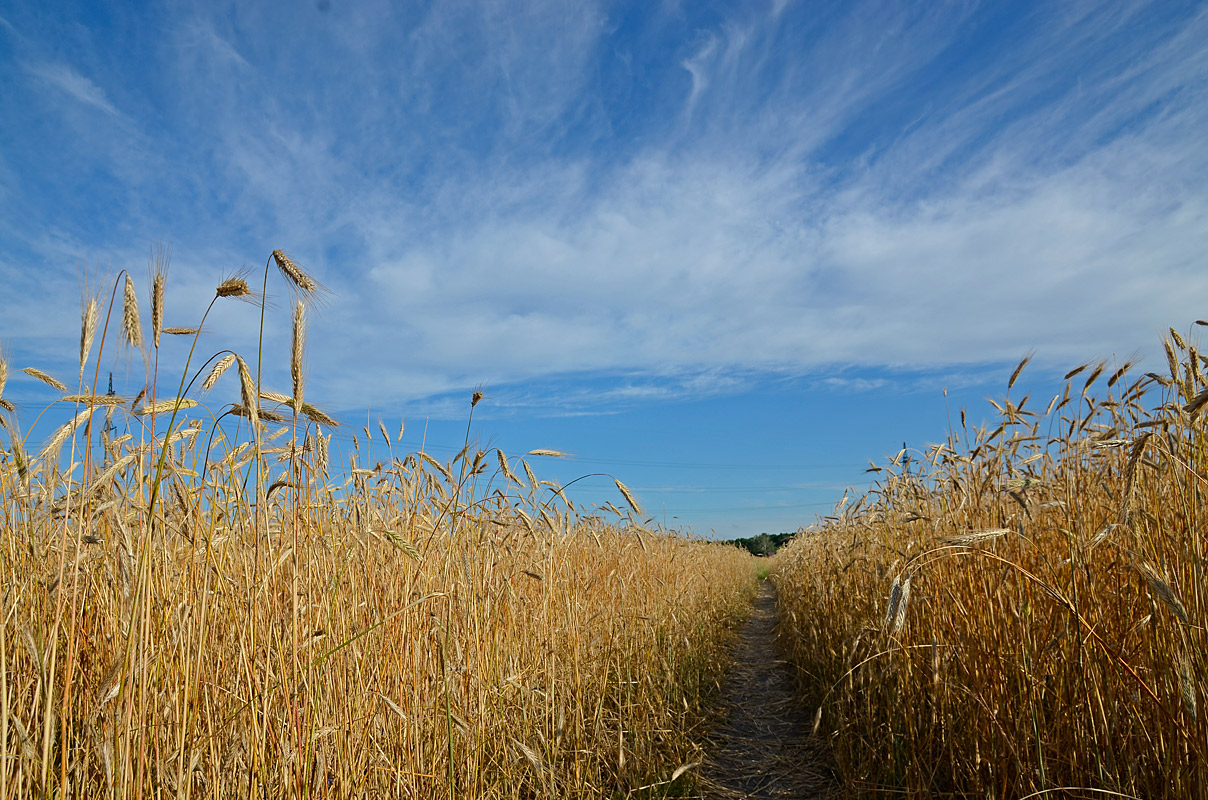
(728, 252)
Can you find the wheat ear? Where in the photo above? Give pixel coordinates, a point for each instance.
(503, 467)
(60, 436)
(624, 490)
(34, 372)
(222, 366)
(131, 326)
(157, 303)
(89, 315)
(248, 393)
(296, 275)
(296, 370)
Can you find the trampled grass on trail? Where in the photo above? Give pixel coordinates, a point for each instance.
(198, 604)
(1027, 611)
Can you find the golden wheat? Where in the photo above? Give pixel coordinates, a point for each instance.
(130, 322)
(178, 630)
(46, 379)
(220, 366)
(296, 366)
(1052, 632)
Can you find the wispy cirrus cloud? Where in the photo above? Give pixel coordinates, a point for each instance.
(512, 193)
(76, 86)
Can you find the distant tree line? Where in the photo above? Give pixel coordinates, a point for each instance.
(765, 544)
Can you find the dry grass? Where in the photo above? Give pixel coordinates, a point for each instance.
(1027, 611)
(407, 629)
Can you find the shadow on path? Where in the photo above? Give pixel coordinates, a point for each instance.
(763, 749)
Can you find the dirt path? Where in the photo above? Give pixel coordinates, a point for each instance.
(763, 749)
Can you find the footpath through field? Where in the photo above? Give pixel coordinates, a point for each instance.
(764, 748)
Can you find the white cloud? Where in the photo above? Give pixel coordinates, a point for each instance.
(820, 194)
(75, 85)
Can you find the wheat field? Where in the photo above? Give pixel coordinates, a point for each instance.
(1023, 615)
(203, 600)
(199, 603)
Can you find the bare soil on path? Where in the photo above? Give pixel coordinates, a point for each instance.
(763, 748)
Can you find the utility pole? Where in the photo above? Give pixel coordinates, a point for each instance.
(105, 431)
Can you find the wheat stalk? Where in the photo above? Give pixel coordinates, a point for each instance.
(1095, 373)
(1187, 687)
(165, 406)
(1075, 371)
(54, 383)
(1161, 589)
(1192, 408)
(1019, 369)
(89, 316)
(895, 613)
(248, 393)
(96, 399)
(624, 490)
(157, 299)
(276, 397)
(296, 367)
(222, 365)
(1118, 374)
(60, 436)
(131, 326)
(256, 414)
(321, 452)
(233, 287)
(319, 416)
(503, 466)
(17, 450)
(974, 537)
(439, 467)
(296, 275)
(528, 471)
